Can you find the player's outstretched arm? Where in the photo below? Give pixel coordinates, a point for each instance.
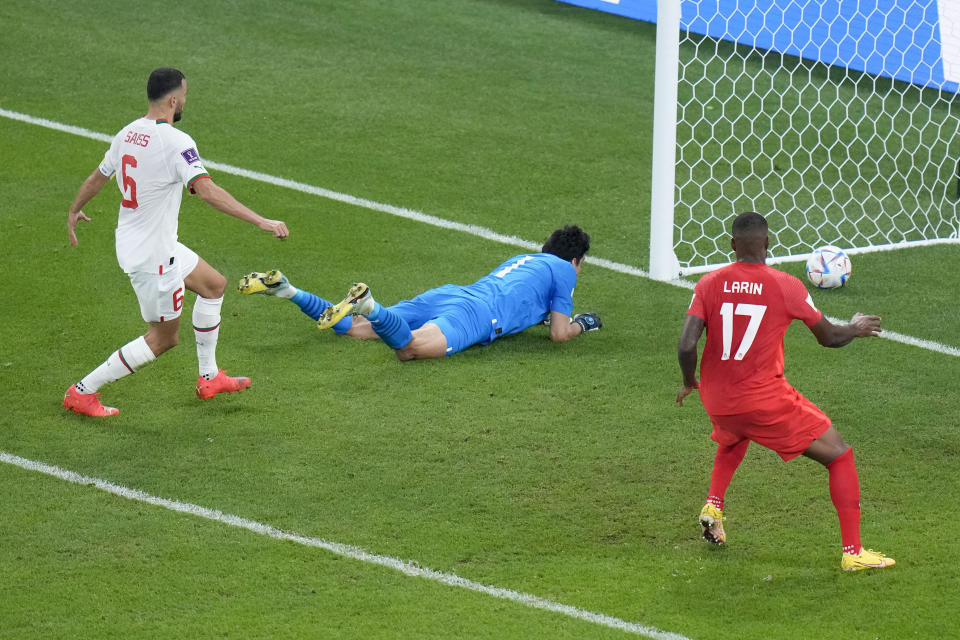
(563, 327)
(840, 335)
(90, 187)
(687, 355)
(221, 200)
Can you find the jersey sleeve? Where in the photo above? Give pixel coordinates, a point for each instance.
(561, 296)
(108, 166)
(186, 162)
(696, 303)
(799, 303)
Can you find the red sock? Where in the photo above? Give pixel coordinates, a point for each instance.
(845, 493)
(724, 465)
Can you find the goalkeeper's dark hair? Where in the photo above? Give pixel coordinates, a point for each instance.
(749, 223)
(162, 81)
(569, 243)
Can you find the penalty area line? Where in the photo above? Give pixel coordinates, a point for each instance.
(407, 567)
(424, 218)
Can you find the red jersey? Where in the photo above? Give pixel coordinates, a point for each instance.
(746, 308)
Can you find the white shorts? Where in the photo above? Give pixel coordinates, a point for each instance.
(160, 292)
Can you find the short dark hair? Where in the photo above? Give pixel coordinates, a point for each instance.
(162, 81)
(569, 243)
(748, 223)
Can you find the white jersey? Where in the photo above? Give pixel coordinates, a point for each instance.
(153, 161)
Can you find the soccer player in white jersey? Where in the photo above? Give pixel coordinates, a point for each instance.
(153, 162)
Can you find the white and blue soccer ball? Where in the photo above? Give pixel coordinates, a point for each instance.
(828, 267)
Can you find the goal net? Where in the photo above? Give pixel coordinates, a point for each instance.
(836, 119)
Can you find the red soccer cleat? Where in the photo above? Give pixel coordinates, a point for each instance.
(223, 383)
(87, 404)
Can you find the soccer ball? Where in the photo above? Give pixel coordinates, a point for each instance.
(828, 267)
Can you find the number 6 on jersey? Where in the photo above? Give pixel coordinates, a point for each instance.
(128, 182)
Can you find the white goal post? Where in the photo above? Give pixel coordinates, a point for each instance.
(836, 119)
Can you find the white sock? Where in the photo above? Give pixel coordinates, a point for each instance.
(287, 292)
(206, 328)
(129, 358)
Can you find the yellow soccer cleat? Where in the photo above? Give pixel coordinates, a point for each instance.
(269, 283)
(359, 301)
(866, 559)
(711, 519)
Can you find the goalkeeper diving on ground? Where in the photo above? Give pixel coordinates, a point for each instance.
(525, 290)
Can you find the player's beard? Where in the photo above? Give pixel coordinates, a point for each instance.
(178, 114)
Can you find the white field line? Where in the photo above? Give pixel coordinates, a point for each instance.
(910, 340)
(410, 214)
(802, 257)
(407, 567)
(419, 216)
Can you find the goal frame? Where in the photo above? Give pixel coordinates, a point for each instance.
(663, 260)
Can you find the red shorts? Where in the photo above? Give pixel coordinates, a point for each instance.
(789, 433)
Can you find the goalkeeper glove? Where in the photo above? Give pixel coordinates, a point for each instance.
(588, 321)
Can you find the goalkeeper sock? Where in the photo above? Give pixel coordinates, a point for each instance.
(129, 358)
(724, 465)
(287, 292)
(390, 326)
(845, 494)
(314, 306)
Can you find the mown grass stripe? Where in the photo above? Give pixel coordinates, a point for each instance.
(425, 218)
(407, 567)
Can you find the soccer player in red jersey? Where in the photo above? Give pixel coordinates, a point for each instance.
(746, 308)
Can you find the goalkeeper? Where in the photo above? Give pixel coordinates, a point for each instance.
(525, 290)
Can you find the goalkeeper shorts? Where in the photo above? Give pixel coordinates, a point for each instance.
(465, 320)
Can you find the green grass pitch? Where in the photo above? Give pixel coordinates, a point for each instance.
(564, 471)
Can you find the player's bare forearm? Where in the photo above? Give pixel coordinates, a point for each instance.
(90, 187)
(687, 348)
(687, 355)
(840, 335)
(688, 367)
(562, 327)
(221, 200)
